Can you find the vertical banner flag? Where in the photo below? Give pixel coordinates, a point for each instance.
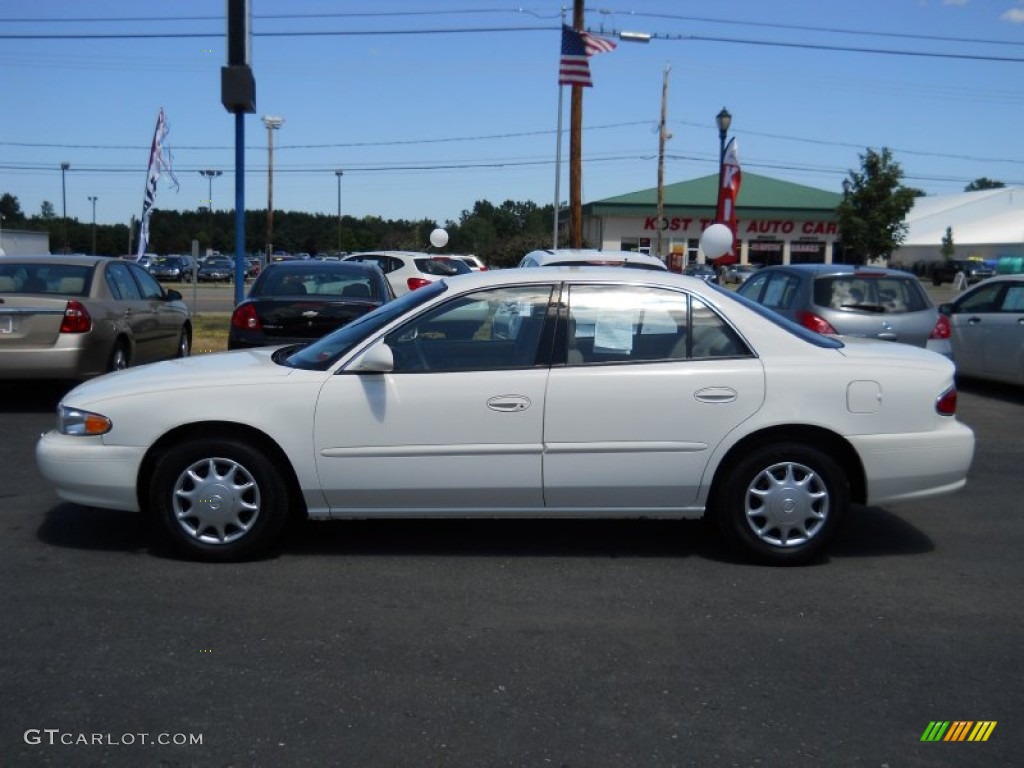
(576, 48)
(730, 190)
(159, 160)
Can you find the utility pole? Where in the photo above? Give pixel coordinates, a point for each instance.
(576, 148)
(663, 135)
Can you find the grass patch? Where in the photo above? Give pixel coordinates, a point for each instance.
(210, 333)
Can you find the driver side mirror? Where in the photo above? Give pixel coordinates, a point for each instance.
(172, 295)
(946, 309)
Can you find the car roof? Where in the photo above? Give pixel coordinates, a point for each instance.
(57, 258)
(549, 256)
(315, 265)
(820, 270)
(413, 254)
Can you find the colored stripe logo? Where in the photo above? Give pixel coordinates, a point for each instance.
(959, 730)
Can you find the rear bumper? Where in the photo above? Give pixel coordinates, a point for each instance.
(905, 467)
(72, 362)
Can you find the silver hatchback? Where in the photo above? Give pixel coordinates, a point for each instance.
(849, 300)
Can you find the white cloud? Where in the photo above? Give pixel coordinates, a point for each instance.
(1014, 16)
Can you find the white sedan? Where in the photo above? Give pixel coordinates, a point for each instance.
(562, 392)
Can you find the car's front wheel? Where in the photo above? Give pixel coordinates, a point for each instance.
(219, 500)
(783, 503)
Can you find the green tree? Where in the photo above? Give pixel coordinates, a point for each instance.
(948, 250)
(874, 206)
(10, 209)
(983, 183)
(46, 210)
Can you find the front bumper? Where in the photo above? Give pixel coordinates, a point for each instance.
(86, 471)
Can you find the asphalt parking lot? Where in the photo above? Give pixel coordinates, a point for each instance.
(515, 642)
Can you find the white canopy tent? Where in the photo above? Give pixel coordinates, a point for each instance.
(986, 224)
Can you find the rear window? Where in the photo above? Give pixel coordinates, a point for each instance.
(878, 293)
(442, 267)
(58, 279)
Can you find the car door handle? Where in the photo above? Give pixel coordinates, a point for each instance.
(973, 320)
(509, 403)
(715, 395)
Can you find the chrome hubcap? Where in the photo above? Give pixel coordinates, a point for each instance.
(216, 501)
(786, 505)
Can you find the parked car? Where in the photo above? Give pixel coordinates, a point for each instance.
(295, 302)
(703, 272)
(737, 274)
(172, 268)
(844, 299)
(987, 330)
(216, 269)
(409, 270)
(475, 262)
(74, 317)
(513, 393)
(974, 271)
(591, 257)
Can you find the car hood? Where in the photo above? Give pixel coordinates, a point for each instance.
(202, 372)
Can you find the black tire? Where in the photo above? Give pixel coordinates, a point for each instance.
(119, 359)
(184, 343)
(783, 504)
(219, 500)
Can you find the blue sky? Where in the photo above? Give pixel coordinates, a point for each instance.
(426, 123)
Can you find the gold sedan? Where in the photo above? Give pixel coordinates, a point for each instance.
(75, 317)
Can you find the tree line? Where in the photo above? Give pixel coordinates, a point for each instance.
(499, 234)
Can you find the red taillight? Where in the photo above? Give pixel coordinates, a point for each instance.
(946, 404)
(76, 319)
(941, 329)
(245, 318)
(416, 282)
(813, 322)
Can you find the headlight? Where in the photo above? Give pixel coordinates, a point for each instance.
(73, 421)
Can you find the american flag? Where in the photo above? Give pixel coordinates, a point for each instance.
(577, 47)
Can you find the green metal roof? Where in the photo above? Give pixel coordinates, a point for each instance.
(759, 196)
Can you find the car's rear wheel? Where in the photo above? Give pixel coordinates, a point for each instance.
(184, 343)
(118, 356)
(219, 500)
(783, 503)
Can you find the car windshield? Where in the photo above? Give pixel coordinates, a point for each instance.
(325, 352)
(62, 279)
(818, 340)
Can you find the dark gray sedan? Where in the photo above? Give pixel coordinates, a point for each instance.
(988, 329)
(74, 317)
(849, 300)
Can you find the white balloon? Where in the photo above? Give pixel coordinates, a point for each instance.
(439, 238)
(716, 241)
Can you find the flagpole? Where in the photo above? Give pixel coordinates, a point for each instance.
(558, 164)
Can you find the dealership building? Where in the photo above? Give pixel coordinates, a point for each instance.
(778, 222)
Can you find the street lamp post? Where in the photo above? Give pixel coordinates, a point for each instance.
(272, 123)
(210, 176)
(93, 199)
(64, 198)
(724, 120)
(339, 173)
